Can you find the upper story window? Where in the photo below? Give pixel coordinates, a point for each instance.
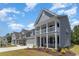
(22, 32)
(57, 24)
(13, 35)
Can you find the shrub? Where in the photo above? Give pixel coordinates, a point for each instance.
(53, 50)
(63, 51)
(66, 49)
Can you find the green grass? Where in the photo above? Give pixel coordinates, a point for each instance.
(24, 52)
(75, 49)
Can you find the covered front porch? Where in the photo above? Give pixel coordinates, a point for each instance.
(42, 42)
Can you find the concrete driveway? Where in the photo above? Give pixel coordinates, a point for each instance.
(12, 48)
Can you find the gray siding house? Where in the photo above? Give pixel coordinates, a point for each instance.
(51, 31)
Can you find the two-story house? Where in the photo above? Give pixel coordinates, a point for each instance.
(25, 37)
(51, 31)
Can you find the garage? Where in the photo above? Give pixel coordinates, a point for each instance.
(31, 42)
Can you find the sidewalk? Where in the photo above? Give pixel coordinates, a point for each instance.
(12, 48)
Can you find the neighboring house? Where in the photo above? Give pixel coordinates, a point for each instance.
(18, 38)
(51, 31)
(3, 41)
(25, 37)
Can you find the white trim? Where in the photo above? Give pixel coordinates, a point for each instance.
(40, 36)
(55, 35)
(47, 35)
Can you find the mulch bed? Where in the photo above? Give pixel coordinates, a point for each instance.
(68, 53)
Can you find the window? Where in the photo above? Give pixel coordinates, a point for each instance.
(51, 40)
(58, 39)
(22, 32)
(57, 24)
(13, 41)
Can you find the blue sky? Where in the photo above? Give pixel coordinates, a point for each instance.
(17, 16)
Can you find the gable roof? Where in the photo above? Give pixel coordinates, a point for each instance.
(23, 30)
(47, 12)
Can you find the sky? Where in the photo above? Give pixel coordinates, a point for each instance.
(18, 16)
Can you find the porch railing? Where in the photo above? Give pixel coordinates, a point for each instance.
(37, 32)
(43, 31)
(51, 29)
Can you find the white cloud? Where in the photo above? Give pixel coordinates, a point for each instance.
(57, 5)
(10, 10)
(10, 20)
(30, 6)
(74, 22)
(15, 26)
(2, 15)
(60, 12)
(5, 11)
(30, 26)
(71, 12)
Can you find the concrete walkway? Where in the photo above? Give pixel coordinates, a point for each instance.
(12, 48)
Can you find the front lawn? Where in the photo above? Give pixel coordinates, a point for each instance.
(37, 52)
(24, 52)
(75, 49)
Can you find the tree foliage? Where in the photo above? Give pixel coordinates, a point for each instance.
(75, 35)
(8, 35)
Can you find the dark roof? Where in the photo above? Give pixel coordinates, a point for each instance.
(62, 16)
(48, 13)
(24, 30)
(15, 32)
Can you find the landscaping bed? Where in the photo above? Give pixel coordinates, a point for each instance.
(54, 52)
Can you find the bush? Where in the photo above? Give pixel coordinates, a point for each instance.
(53, 50)
(66, 49)
(63, 51)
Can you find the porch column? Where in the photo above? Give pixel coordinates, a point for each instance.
(47, 35)
(15, 42)
(56, 35)
(40, 36)
(35, 39)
